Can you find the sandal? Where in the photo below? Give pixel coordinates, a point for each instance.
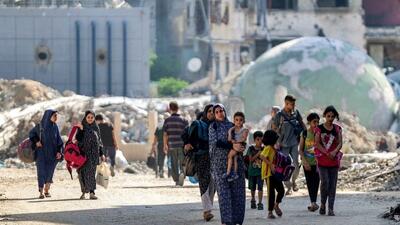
(208, 216)
(278, 211)
(313, 208)
(271, 216)
(253, 204)
(322, 211)
(48, 195)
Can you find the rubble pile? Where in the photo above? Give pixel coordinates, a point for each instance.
(380, 175)
(20, 115)
(16, 93)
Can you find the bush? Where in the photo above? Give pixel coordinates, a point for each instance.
(160, 66)
(170, 86)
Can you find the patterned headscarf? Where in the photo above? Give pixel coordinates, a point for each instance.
(219, 105)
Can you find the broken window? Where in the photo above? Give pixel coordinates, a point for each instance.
(216, 11)
(199, 16)
(227, 64)
(332, 3)
(225, 18)
(217, 66)
(242, 4)
(244, 54)
(262, 45)
(282, 4)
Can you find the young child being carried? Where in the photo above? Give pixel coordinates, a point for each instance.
(236, 135)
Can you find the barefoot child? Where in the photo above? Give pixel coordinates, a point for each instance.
(307, 156)
(237, 134)
(268, 168)
(328, 142)
(254, 171)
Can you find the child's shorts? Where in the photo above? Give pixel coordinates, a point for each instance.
(255, 182)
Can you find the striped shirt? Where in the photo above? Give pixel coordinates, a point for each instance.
(174, 126)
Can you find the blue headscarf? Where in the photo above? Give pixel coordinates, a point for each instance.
(50, 135)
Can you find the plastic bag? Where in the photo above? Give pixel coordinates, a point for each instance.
(120, 161)
(103, 175)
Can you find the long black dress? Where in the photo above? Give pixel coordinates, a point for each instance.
(90, 142)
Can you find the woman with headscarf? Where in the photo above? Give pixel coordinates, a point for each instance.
(89, 141)
(198, 143)
(48, 148)
(231, 196)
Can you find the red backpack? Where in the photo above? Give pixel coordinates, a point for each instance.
(25, 152)
(72, 154)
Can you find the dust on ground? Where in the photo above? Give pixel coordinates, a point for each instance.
(145, 200)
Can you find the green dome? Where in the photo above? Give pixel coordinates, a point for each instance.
(319, 72)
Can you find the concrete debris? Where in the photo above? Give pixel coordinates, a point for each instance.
(16, 163)
(392, 214)
(21, 113)
(16, 93)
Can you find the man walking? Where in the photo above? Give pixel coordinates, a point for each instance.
(108, 139)
(173, 144)
(288, 123)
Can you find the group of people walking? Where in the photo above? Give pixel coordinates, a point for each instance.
(220, 162)
(220, 157)
(48, 150)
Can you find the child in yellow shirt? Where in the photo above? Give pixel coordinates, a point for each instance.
(270, 138)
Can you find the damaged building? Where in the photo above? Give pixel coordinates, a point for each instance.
(242, 30)
(382, 19)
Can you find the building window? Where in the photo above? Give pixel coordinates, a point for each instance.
(332, 3)
(281, 4)
(244, 4)
(262, 45)
(217, 66)
(216, 11)
(227, 64)
(244, 54)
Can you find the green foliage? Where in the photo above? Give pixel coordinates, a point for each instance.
(152, 59)
(164, 66)
(170, 86)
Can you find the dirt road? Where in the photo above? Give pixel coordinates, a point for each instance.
(145, 200)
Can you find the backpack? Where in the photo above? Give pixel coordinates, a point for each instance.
(283, 167)
(25, 151)
(297, 126)
(73, 155)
